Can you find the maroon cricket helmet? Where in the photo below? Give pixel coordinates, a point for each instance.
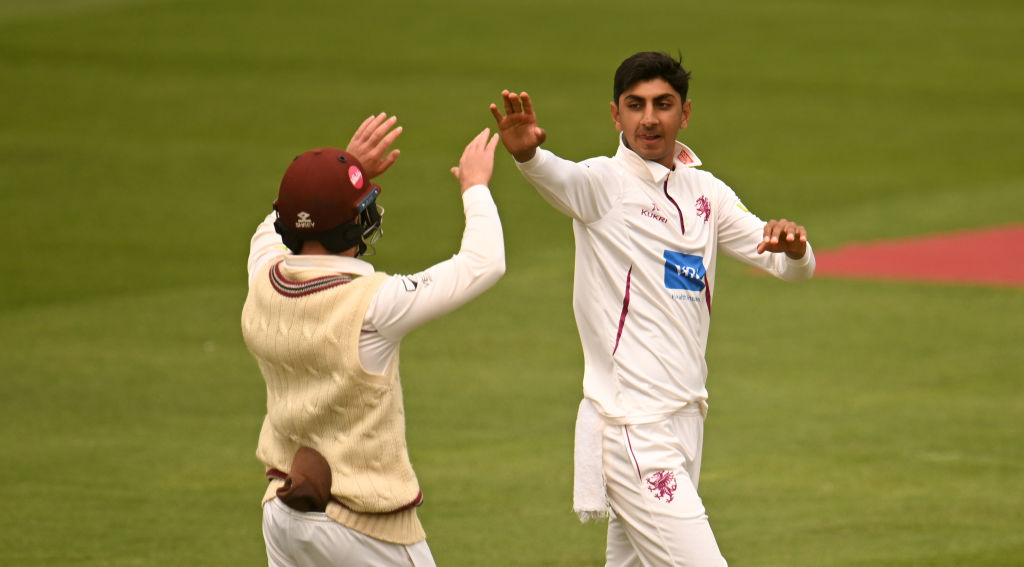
(323, 189)
(326, 195)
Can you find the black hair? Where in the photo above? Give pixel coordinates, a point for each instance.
(648, 65)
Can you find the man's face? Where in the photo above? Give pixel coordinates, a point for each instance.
(650, 115)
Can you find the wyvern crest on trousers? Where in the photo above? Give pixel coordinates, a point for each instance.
(662, 485)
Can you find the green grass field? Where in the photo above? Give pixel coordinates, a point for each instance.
(853, 423)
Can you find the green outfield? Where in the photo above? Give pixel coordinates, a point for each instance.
(852, 423)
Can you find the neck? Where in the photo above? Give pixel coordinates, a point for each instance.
(314, 247)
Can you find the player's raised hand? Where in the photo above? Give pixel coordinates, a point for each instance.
(784, 236)
(518, 126)
(477, 162)
(371, 144)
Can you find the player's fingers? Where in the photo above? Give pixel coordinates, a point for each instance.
(472, 147)
(496, 113)
(527, 103)
(370, 125)
(517, 103)
(785, 230)
(790, 230)
(390, 159)
(382, 119)
(358, 137)
(362, 127)
(492, 144)
(506, 97)
(382, 126)
(390, 137)
(480, 140)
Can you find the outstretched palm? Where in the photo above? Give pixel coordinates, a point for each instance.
(371, 144)
(518, 126)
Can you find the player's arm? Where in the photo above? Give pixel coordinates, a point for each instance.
(779, 247)
(570, 187)
(404, 303)
(265, 245)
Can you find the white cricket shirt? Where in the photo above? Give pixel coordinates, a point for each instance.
(647, 241)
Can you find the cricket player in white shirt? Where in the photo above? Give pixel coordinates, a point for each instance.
(648, 227)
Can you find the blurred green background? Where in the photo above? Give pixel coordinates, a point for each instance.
(853, 422)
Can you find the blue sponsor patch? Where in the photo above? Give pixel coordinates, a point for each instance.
(684, 271)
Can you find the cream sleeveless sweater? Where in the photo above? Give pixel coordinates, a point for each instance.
(304, 333)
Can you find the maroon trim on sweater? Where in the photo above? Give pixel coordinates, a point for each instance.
(279, 475)
(289, 288)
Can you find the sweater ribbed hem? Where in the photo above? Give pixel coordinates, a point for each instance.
(402, 528)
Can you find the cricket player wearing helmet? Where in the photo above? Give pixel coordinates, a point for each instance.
(648, 226)
(325, 329)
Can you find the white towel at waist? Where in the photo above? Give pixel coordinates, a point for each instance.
(589, 497)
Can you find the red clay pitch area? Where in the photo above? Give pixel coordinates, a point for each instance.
(991, 256)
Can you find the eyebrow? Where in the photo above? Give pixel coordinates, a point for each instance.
(658, 98)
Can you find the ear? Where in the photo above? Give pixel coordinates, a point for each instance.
(687, 108)
(615, 116)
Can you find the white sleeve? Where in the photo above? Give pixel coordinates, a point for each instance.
(405, 302)
(573, 189)
(741, 231)
(265, 245)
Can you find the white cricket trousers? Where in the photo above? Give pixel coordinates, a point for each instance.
(311, 539)
(651, 471)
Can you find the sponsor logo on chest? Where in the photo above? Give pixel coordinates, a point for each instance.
(684, 271)
(654, 212)
(702, 208)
